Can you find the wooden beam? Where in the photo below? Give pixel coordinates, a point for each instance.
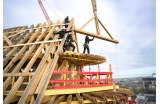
(20, 40)
(69, 99)
(7, 40)
(18, 93)
(94, 6)
(49, 41)
(87, 23)
(10, 52)
(80, 90)
(28, 67)
(51, 69)
(101, 95)
(46, 99)
(96, 36)
(52, 100)
(105, 28)
(38, 70)
(86, 102)
(32, 100)
(92, 98)
(75, 35)
(59, 99)
(12, 62)
(42, 76)
(17, 68)
(18, 32)
(15, 98)
(17, 74)
(80, 99)
(38, 79)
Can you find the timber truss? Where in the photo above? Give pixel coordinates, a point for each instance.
(30, 75)
(36, 70)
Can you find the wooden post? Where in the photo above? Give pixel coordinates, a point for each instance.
(114, 87)
(80, 99)
(13, 81)
(52, 100)
(69, 99)
(32, 100)
(95, 15)
(75, 35)
(110, 69)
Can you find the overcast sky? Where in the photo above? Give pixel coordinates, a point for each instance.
(131, 22)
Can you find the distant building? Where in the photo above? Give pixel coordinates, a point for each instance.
(149, 82)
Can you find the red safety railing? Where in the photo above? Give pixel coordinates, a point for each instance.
(84, 82)
(82, 73)
(128, 101)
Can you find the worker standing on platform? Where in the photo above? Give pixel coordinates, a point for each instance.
(69, 42)
(66, 21)
(86, 44)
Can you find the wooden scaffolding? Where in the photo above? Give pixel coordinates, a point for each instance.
(36, 70)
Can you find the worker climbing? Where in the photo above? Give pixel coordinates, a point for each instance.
(62, 33)
(66, 21)
(86, 44)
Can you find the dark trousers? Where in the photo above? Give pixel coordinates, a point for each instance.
(86, 47)
(70, 45)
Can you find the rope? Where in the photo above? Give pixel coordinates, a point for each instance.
(82, 10)
(74, 15)
(89, 68)
(53, 10)
(117, 60)
(98, 68)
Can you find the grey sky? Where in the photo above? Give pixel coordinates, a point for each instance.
(132, 22)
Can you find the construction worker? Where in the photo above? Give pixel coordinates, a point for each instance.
(69, 42)
(66, 21)
(86, 44)
(62, 33)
